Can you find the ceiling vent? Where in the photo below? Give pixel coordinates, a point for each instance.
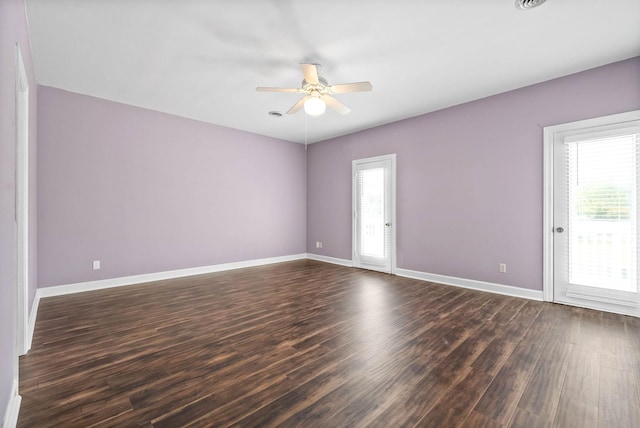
(528, 4)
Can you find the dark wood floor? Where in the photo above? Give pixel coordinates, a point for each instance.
(311, 344)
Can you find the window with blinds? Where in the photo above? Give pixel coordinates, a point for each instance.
(602, 193)
(372, 216)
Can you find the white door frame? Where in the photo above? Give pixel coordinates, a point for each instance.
(392, 220)
(548, 206)
(22, 204)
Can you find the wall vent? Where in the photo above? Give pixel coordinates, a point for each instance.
(528, 4)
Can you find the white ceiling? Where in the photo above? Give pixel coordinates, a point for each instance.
(203, 59)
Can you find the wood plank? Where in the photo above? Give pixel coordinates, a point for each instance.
(294, 401)
(455, 406)
(572, 412)
(306, 343)
(524, 419)
(582, 379)
(500, 400)
(542, 393)
(478, 420)
(618, 404)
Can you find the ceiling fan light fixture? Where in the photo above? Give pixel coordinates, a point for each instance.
(317, 92)
(314, 106)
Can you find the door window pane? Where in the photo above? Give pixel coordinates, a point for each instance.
(602, 205)
(372, 212)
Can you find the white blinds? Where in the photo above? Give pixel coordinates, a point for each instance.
(371, 184)
(602, 192)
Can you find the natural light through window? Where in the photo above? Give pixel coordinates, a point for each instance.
(602, 191)
(372, 212)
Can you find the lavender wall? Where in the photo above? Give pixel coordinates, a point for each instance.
(13, 29)
(146, 192)
(469, 178)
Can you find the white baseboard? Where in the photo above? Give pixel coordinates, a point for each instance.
(333, 260)
(506, 290)
(598, 305)
(32, 322)
(60, 290)
(13, 408)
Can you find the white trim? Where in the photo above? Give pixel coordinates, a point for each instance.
(22, 201)
(33, 315)
(60, 290)
(547, 217)
(602, 299)
(355, 262)
(333, 260)
(13, 408)
(394, 218)
(593, 122)
(547, 220)
(598, 305)
(506, 290)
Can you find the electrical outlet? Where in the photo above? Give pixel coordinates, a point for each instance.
(317, 244)
(96, 264)
(503, 268)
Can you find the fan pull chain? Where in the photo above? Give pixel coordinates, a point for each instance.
(305, 132)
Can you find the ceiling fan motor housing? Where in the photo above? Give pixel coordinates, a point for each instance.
(322, 86)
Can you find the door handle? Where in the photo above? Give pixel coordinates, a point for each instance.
(559, 229)
(387, 224)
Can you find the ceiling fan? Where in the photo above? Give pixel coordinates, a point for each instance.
(318, 93)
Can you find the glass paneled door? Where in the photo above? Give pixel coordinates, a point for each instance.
(373, 212)
(595, 216)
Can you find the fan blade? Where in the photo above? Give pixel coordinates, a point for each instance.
(350, 87)
(335, 104)
(262, 89)
(310, 73)
(297, 106)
